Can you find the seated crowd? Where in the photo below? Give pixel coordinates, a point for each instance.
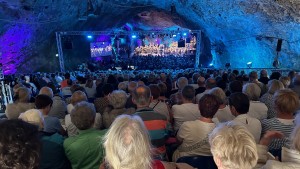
(152, 120)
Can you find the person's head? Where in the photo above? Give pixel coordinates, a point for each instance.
(69, 82)
(122, 86)
(33, 116)
(163, 89)
(235, 86)
(233, 147)
(252, 90)
(22, 95)
(67, 76)
(83, 115)
(181, 82)
(141, 96)
(188, 93)
(155, 91)
(286, 101)
(78, 96)
(210, 83)
(19, 145)
(195, 77)
(296, 80)
(274, 85)
(295, 136)
(220, 95)
(201, 81)
(208, 105)
(263, 73)
(46, 91)
(117, 99)
(43, 101)
(275, 75)
(239, 103)
(131, 86)
(253, 76)
(285, 80)
(127, 144)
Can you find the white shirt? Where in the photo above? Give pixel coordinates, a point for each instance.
(252, 124)
(258, 110)
(185, 112)
(194, 136)
(223, 115)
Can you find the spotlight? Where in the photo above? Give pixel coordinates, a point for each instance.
(174, 35)
(56, 55)
(249, 64)
(133, 36)
(184, 34)
(227, 65)
(211, 65)
(90, 37)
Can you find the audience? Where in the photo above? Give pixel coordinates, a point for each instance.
(19, 145)
(156, 123)
(233, 147)
(209, 84)
(117, 100)
(188, 110)
(84, 150)
(193, 135)
(286, 103)
(176, 98)
(158, 105)
(239, 105)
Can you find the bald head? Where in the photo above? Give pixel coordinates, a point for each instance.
(46, 91)
(142, 96)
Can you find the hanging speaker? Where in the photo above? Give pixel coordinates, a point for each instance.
(279, 44)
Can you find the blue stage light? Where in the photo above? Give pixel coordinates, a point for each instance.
(174, 35)
(184, 34)
(133, 36)
(90, 37)
(211, 64)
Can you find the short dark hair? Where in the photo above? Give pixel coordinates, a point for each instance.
(188, 92)
(235, 86)
(42, 101)
(107, 88)
(67, 75)
(83, 115)
(19, 145)
(240, 102)
(208, 105)
(155, 91)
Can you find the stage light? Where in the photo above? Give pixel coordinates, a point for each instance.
(90, 37)
(133, 36)
(174, 35)
(184, 34)
(249, 64)
(56, 55)
(211, 64)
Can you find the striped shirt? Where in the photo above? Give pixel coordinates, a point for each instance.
(156, 125)
(277, 125)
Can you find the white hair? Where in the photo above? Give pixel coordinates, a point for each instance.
(117, 99)
(234, 146)
(127, 144)
(252, 90)
(219, 93)
(182, 82)
(33, 116)
(46, 91)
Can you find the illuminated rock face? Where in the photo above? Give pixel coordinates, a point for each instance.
(237, 31)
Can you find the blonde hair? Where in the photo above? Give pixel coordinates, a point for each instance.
(234, 146)
(285, 80)
(286, 101)
(127, 144)
(274, 85)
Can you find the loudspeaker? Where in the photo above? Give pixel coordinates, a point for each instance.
(279, 44)
(68, 45)
(181, 43)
